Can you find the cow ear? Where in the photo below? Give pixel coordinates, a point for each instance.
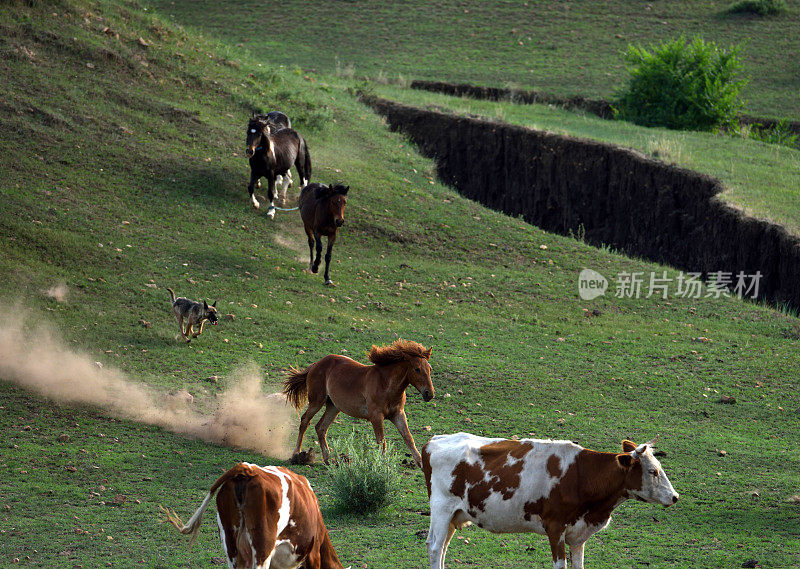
(628, 446)
(625, 460)
(205, 305)
(428, 353)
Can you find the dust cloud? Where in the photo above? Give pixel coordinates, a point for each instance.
(35, 357)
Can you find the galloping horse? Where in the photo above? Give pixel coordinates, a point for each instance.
(322, 211)
(374, 393)
(271, 155)
(276, 120)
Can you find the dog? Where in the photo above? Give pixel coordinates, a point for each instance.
(194, 313)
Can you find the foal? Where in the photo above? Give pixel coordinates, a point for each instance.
(322, 211)
(272, 154)
(374, 393)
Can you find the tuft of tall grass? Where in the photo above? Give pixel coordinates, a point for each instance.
(362, 478)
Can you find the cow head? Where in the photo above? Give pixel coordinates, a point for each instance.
(647, 480)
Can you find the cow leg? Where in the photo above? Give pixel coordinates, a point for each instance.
(440, 533)
(576, 555)
(318, 242)
(331, 241)
(400, 422)
(312, 409)
(228, 520)
(261, 525)
(555, 533)
(254, 182)
(322, 428)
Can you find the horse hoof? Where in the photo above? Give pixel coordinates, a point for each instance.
(256, 205)
(271, 212)
(315, 270)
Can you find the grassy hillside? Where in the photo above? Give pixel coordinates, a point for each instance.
(565, 48)
(121, 142)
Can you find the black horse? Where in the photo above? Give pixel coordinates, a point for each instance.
(322, 211)
(272, 153)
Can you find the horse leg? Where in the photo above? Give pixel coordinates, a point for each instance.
(271, 194)
(318, 242)
(331, 241)
(255, 182)
(322, 429)
(377, 426)
(286, 181)
(310, 248)
(312, 409)
(400, 422)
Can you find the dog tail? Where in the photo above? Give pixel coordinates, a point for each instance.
(295, 387)
(172, 294)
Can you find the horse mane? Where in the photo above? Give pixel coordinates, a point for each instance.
(397, 351)
(322, 191)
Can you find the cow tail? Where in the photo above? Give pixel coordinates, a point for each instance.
(295, 387)
(172, 294)
(192, 527)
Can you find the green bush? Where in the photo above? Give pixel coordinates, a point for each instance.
(760, 7)
(363, 479)
(682, 85)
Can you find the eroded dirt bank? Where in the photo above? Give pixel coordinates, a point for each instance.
(613, 195)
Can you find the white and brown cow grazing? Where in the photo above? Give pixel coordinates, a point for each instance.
(268, 518)
(553, 488)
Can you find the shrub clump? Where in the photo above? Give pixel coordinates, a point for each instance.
(362, 478)
(682, 85)
(759, 7)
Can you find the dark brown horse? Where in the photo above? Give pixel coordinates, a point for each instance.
(374, 393)
(322, 211)
(272, 154)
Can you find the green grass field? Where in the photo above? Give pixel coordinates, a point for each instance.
(123, 174)
(565, 48)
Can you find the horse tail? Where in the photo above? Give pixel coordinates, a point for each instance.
(306, 162)
(172, 294)
(295, 387)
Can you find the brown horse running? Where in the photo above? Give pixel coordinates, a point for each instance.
(322, 211)
(374, 393)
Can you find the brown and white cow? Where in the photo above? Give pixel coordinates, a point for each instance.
(553, 488)
(268, 518)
